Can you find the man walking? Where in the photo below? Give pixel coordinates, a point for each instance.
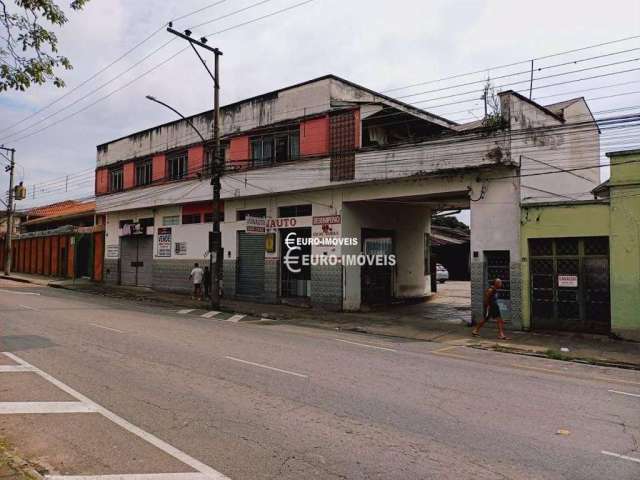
(196, 276)
(491, 309)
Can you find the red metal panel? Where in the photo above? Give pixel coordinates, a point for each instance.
(128, 175)
(159, 168)
(40, 255)
(70, 258)
(102, 181)
(314, 137)
(47, 256)
(55, 245)
(33, 254)
(98, 255)
(195, 160)
(239, 150)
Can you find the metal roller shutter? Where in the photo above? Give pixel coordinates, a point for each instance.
(250, 264)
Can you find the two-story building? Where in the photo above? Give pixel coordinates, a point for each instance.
(331, 159)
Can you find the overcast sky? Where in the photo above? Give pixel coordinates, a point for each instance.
(380, 44)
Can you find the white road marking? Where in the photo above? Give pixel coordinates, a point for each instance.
(18, 293)
(210, 314)
(14, 368)
(267, 367)
(366, 345)
(7, 408)
(184, 311)
(617, 455)
(625, 393)
(106, 328)
(29, 308)
(235, 318)
(132, 476)
(210, 473)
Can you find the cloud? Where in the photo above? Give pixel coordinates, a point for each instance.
(377, 43)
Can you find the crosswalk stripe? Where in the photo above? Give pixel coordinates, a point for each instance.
(235, 318)
(185, 311)
(45, 407)
(210, 314)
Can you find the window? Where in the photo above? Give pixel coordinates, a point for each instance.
(256, 212)
(208, 217)
(178, 166)
(280, 147)
(146, 222)
(190, 218)
(295, 211)
(170, 220)
(144, 171)
(125, 222)
(115, 179)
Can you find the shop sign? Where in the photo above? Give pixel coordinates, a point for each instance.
(181, 248)
(568, 281)
(284, 222)
(113, 251)
(327, 220)
(164, 242)
(255, 225)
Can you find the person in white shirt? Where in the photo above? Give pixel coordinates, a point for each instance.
(196, 276)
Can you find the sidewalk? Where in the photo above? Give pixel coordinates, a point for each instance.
(434, 321)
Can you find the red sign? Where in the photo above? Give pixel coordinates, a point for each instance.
(281, 222)
(327, 220)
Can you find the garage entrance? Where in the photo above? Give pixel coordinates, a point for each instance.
(570, 284)
(136, 260)
(250, 264)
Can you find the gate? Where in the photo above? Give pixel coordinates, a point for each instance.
(295, 284)
(377, 280)
(250, 264)
(136, 260)
(570, 284)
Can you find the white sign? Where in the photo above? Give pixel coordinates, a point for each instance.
(570, 281)
(164, 242)
(181, 248)
(255, 225)
(113, 251)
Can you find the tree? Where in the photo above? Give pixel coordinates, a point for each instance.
(28, 46)
(493, 119)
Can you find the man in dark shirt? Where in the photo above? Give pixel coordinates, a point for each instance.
(491, 309)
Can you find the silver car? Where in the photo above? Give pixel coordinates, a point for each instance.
(442, 274)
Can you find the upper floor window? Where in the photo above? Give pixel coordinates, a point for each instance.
(295, 211)
(256, 212)
(116, 179)
(279, 147)
(177, 164)
(189, 218)
(208, 217)
(170, 220)
(144, 172)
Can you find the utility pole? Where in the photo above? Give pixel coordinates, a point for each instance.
(7, 237)
(217, 167)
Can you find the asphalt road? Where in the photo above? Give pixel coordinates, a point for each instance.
(256, 401)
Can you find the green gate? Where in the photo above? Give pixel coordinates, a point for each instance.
(570, 284)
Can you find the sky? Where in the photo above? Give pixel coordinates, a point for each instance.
(380, 44)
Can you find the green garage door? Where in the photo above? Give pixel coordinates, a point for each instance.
(250, 265)
(570, 284)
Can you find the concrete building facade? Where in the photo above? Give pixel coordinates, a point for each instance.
(331, 159)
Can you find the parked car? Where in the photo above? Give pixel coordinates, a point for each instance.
(442, 274)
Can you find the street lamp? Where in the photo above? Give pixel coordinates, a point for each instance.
(154, 99)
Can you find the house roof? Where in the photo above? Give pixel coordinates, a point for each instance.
(558, 107)
(60, 210)
(535, 104)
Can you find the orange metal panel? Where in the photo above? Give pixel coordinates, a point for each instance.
(40, 250)
(47, 256)
(55, 245)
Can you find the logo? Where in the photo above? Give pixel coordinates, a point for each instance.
(292, 262)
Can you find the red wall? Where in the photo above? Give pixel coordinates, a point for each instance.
(314, 137)
(128, 174)
(239, 149)
(195, 160)
(102, 181)
(356, 114)
(159, 167)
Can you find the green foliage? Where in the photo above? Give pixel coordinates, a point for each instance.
(28, 47)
